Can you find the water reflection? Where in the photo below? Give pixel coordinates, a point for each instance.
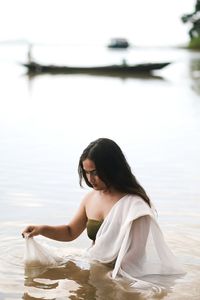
(123, 77)
(88, 281)
(195, 74)
(77, 282)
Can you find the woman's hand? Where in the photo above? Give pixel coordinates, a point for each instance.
(31, 231)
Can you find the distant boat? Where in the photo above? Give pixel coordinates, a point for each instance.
(119, 69)
(118, 43)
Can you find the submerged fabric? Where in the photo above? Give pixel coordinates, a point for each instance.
(93, 227)
(131, 238)
(39, 255)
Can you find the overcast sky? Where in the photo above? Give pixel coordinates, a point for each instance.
(147, 22)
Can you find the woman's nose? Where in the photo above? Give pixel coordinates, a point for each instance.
(91, 178)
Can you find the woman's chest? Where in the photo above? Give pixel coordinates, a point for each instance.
(98, 211)
(99, 207)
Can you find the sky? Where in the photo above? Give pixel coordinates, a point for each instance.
(142, 22)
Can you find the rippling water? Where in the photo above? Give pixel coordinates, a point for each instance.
(46, 121)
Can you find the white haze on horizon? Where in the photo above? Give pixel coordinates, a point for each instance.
(144, 23)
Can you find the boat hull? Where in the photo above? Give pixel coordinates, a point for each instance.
(141, 68)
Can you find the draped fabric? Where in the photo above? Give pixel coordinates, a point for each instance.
(131, 238)
(37, 254)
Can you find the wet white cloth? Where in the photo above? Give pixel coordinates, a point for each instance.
(37, 254)
(131, 238)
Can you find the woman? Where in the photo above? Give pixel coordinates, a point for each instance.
(118, 215)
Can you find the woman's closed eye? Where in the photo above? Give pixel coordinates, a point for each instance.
(92, 173)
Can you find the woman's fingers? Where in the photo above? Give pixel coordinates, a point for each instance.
(30, 231)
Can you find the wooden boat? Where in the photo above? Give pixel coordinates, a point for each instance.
(120, 69)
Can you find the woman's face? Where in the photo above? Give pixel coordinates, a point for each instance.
(92, 176)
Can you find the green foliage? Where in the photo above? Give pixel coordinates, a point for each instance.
(194, 43)
(194, 19)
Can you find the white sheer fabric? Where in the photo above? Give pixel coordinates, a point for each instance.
(131, 238)
(37, 254)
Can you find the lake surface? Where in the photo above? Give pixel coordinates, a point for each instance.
(45, 123)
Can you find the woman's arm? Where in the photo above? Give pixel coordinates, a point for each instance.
(62, 233)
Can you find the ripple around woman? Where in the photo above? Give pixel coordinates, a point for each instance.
(119, 218)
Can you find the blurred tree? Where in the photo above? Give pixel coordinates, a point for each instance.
(194, 19)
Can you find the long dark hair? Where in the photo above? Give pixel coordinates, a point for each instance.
(112, 168)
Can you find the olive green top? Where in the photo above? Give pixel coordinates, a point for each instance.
(93, 227)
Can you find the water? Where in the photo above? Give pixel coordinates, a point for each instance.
(46, 121)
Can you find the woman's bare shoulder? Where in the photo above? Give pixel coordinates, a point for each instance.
(87, 198)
